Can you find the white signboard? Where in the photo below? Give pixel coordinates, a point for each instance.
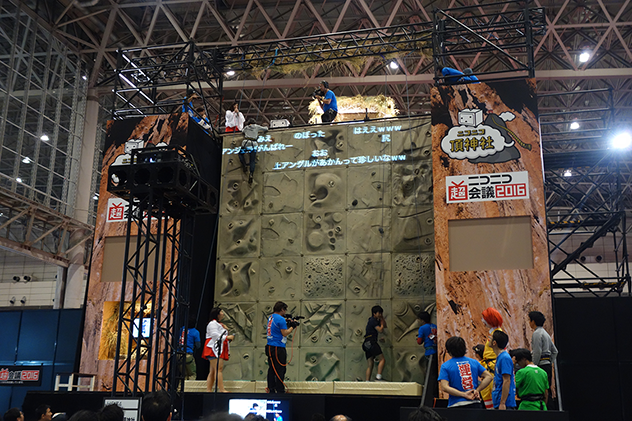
(117, 210)
(131, 407)
(487, 187)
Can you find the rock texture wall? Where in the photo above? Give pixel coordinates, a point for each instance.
(339, 218)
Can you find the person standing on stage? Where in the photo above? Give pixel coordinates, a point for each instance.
(459, 376)
(327, 102)
(193, 342)
(216, 348)
(531, 381)
(543, 350)
(234, 119)
(427, 335)
(494, 321)
(371, 348)
(275, 349)
(504, 393)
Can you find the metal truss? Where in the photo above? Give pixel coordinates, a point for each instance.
(33, 229)
(142, 73)
(586, 207)
(488, 29)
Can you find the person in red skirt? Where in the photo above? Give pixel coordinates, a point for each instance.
(217, 340)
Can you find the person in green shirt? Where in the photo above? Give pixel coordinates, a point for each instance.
(531, 381)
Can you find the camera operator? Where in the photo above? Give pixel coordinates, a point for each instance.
(275, 349)
(327, 100)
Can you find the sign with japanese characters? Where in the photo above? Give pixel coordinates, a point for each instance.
(130, 406)
(486, 187)
(117, 210)
(20, 375)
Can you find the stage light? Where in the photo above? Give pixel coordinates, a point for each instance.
(12, 300)
(26, 278)
(95, 197)
(393, 65)
(583, 57)
(27, 160)
(568, 173)
(19, 180)
(44, 137)
(230, 73)
(574, 125)
(23, 300)
(84, 77)
(16, 279)
(622, 140)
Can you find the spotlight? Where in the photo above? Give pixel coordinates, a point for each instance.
(393, 65)
(27, 160)
(18, 179)
(26, 278)
(44, 137)
(583, 57)
(230, 73)
(568, 173)
(12, 300)
(84, 77)
(16, 279)
(621, 140)
(23, 300)
(574, 125)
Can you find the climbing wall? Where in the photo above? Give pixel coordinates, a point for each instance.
(339, 218)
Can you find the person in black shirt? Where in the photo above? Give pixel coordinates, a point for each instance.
(370, 346)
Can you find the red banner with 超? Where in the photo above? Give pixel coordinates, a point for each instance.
(20, 375)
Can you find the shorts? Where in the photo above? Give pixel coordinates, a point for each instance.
(371, 349)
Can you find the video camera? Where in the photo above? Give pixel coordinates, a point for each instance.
(317, 92)
(293, 321)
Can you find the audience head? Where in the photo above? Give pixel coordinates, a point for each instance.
(455, 346)
(501, 339)
(424, 414)
(537, 318)
(156, 406)
(424, 316)
(13, 414)
(340, 418)
(111, 412)
(492, 317)
(224, 416)
(84, 415)
(43, 413)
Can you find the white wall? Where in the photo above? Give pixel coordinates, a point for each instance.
(40, 291)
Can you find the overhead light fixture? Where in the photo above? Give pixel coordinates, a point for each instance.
(568, 173)
(44, 137)
(27, 160)
(574, 125)
(12, 300)
(16, 279)
(26, 278)
(18, 179)
(583, 57)
(84, 77)
(95, 197)
(230, 73)
(23, 300)
(393, 65)
(622, 140)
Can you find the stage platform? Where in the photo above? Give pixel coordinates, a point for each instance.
(380, 388)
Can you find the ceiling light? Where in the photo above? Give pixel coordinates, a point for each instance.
(622, 140)
(583, 57)
(27, 278)
(230, 73)
(568, 173)
(84, 77)
(95, 197)
(16, 279)
(27, 160)
(44, 137)
(574, 125)
(393, 65)
(19, 180)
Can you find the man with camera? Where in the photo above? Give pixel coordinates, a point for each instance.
(327, 100)
(278, 331)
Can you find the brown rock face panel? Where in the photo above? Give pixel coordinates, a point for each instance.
(484, 130)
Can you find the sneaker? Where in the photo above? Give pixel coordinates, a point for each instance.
(250, 179)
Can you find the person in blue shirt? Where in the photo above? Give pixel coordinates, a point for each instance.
(504, 393)
(459, 377)
(193, 342)
(451, 76)
(327, 102)
(277, 332)
(427, 335)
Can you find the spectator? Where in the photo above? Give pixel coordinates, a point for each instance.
(423, 413)
(340, 418)
(156, 406)
(84, 415)
(14, 414)
(111, 412)
(43, 413)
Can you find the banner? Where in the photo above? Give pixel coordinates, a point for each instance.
(20, 375)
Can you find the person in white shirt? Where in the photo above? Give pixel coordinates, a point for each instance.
(234, 119)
